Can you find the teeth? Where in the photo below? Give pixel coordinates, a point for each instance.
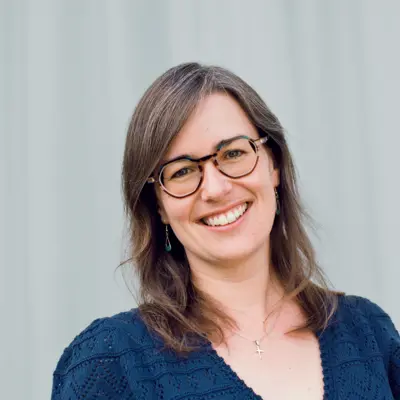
(223, 219)
(227, 218)
(231, 217)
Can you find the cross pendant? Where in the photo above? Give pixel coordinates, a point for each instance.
(259, 351)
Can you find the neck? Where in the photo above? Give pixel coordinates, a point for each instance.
(246, 291)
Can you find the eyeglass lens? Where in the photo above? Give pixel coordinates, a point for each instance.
(234, 159)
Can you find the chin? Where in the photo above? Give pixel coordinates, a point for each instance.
(233, 253)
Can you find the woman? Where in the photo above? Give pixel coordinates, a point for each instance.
(233, 303)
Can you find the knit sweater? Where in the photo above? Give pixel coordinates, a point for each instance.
(118, 358)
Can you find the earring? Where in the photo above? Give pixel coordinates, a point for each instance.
(168, 246)
(278, 205)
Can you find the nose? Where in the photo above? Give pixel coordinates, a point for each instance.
(215, 185)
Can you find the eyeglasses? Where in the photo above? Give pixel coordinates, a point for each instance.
(235, 158)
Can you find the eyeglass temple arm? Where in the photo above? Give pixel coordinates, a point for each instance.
(263, 140)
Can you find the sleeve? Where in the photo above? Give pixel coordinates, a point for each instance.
(90, 367)
(98, 378)
(389, 342)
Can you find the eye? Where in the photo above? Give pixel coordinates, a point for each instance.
(232, 154)
(182, 172)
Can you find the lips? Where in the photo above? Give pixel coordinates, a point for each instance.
(227, 217)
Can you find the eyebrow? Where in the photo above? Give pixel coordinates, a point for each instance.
(216, 147)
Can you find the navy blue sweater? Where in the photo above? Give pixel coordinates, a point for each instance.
(117, 358)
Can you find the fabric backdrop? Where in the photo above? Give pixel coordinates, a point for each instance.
(71, 74)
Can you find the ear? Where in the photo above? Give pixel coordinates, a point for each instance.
(163, 216)
(275, 177)
(274, 173)
(162, 213)
(160, 209)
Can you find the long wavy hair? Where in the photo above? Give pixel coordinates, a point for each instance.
(169, 302)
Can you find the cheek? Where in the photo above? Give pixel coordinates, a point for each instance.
(265, 176)
(260, 182)
(177, 210)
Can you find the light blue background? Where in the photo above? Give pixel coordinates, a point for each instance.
(71, 74)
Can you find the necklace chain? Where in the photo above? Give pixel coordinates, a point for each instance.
(257, 342)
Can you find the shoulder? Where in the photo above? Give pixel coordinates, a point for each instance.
(93, 359)
(360, 311)
(106, 337)
(364, 320)
(362, 330)
(357, 308)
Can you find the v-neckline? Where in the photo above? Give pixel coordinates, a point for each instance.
(225, 368)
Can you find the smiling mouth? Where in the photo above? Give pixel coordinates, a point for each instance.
(226, 218)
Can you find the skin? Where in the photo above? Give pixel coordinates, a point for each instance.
(232, 265)
(224, 262)
(219, 117)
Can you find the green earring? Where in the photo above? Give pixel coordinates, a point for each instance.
(278, 205)
(168, 246)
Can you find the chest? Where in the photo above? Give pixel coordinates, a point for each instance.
(268, 368)
(353, 368)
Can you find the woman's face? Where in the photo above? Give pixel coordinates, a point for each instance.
(218, 117)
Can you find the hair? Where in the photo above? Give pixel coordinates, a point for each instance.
(169, 302)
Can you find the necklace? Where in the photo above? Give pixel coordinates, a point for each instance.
(257, 342)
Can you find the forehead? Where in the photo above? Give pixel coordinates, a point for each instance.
(217, 117)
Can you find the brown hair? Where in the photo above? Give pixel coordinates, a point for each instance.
(170, 304)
